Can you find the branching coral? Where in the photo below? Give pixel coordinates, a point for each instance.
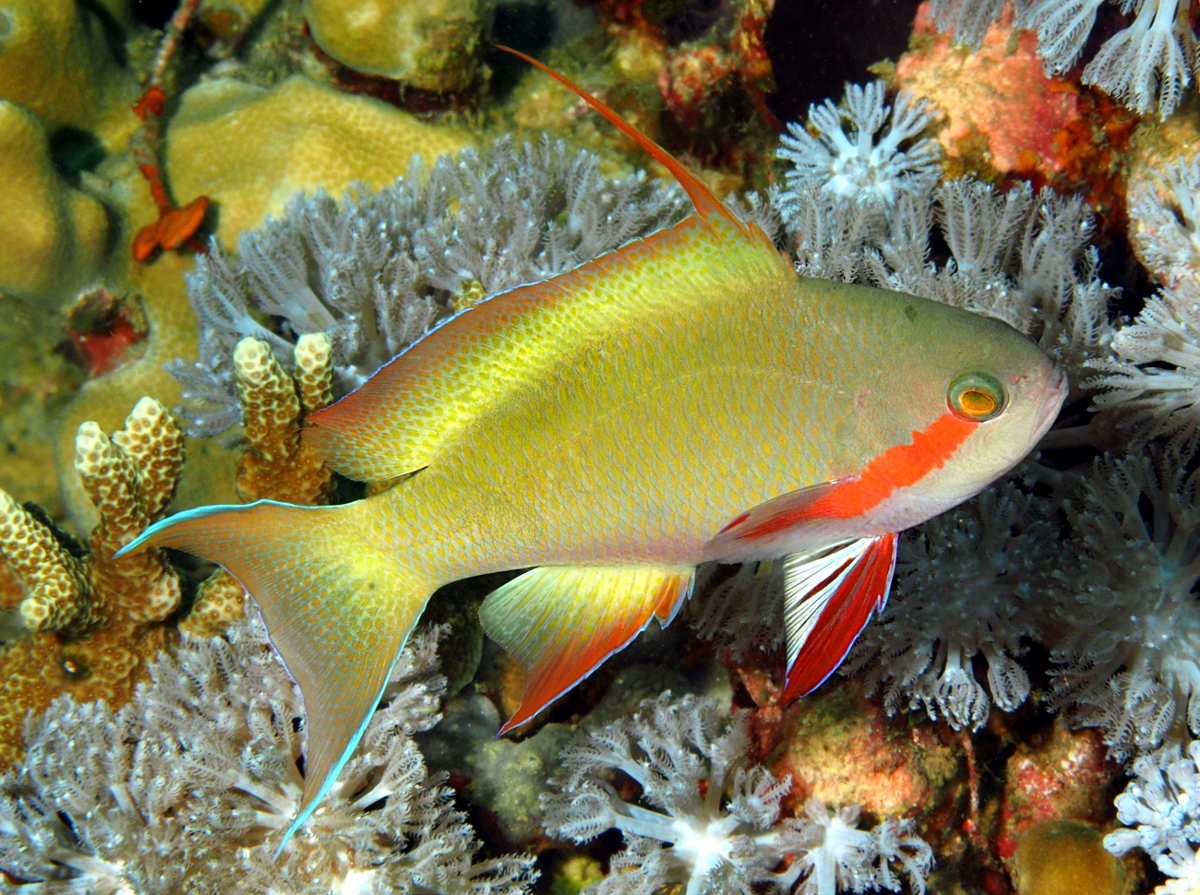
(867, 165)
(378, 269)
(93, 620)
(973, 582)
(276, 463)
(1149, 382)
(713, 827)
(1128, 661)
(191, 785)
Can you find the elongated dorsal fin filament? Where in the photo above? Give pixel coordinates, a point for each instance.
(707, 204)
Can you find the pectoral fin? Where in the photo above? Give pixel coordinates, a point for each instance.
(561, 622)
(767, 530)
(828, 600)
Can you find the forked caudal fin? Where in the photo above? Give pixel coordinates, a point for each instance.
(338, 608)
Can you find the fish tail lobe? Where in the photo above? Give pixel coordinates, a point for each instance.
(337, 600)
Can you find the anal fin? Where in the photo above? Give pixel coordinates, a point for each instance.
(828, 600)
(561, 622)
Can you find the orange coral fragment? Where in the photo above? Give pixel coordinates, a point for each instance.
(173, 229)
(151, 104)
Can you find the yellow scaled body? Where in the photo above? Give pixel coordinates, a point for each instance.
(685, 398)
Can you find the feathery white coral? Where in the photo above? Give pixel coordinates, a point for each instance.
(846, 151)
(190, 787)
(972, 582)
(1129, 661)
(1150, 387)
(843, 858)
(1149, 380)
(710, 828)
(377, 270)
(1161, 811)
(968, 19)
(1024, 258)
(1147, 65)
(1164, 218)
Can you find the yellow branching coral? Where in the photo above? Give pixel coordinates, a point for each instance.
(276, 463)
(94, 622)
(57, 588)
(219, 600)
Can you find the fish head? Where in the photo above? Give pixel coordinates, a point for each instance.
(989, 392)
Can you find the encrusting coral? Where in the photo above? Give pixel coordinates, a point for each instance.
(58, 63)
(191, 785)
(92, 622)
(252, 149)
(435, 45)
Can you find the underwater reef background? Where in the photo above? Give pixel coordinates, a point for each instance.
(220, 215)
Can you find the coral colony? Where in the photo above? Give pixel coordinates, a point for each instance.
(163, 755)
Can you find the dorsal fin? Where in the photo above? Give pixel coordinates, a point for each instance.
(707, 205)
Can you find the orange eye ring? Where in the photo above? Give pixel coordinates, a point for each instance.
(976, 397)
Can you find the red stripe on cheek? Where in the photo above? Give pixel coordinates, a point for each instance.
(897, 467)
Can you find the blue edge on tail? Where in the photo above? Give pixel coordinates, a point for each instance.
(200, 513)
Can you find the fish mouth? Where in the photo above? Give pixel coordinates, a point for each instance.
(1050, 402)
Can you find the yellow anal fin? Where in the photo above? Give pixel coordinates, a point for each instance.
(561, 622)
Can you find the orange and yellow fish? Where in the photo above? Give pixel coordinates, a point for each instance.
(683, 399)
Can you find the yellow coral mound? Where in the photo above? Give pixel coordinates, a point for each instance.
(55, 61)
(430, 44)
(250, 149)
(55, 237)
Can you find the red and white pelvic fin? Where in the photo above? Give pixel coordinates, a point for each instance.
(828, 599)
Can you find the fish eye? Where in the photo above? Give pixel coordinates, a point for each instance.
(976, 397)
